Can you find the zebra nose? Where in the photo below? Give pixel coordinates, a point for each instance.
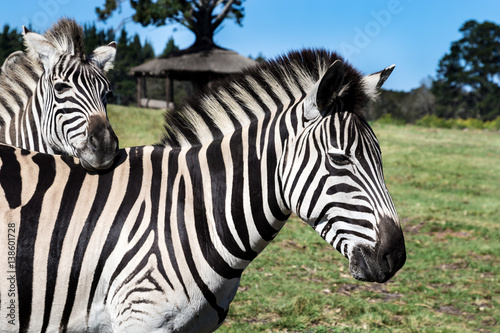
(93, 142)
(101, 145)
(391, 253)
(103, 140)
(391, 262)
(379, 264)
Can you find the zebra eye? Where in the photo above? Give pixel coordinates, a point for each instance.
(61, 87)
(109, 95)
(339, 159)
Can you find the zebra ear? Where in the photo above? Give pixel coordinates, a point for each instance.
(330, 85)
(373, 82)
(40, 49)
(104, 56)
(12, 60)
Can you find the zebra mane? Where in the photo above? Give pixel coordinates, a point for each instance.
(18, 78)
(67, 37)
(224, 107)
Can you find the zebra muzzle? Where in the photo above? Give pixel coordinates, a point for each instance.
(379, 264)
(101, 146)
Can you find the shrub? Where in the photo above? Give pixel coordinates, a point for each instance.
(493, 125)
(390, 120)
(471, 123)
(433, 121)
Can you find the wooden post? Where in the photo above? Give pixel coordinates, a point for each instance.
(141, 89)
(139, 84)
(169, 90)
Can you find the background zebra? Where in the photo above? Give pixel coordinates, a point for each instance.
(159, 242)
(53, 99)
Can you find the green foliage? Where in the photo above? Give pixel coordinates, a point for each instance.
(389, 119)
(129, 53)
(471, 123)
(466, 86)
(404, 106)
(10, 41)
(467, 77)
(493, 125)
(169, 48)
(260, 58)
(94, 38)
(433, 121)
(201, 17)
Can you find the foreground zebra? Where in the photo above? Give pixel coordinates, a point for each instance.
(159, 243)
(54, 98)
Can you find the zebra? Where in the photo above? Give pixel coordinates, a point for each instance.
(53, 98)
(158, 243)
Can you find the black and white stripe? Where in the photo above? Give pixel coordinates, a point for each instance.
(159, 242)
(53, 99)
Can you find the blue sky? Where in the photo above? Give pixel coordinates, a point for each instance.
(370, 34)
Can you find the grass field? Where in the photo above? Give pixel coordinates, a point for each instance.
(136, 126)
(446, 187)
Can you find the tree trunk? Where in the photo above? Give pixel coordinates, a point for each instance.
(203, 28)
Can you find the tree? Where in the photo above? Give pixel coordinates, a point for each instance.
(468, 77)
(10, 41)
(130, 52)
(94, 38)
(147, 51)
(202, 17)
(156, 86)
(259, 58)
(169, 48)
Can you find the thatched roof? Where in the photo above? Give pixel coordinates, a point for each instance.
(187, 63)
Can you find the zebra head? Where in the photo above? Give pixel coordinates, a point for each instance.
(333, 178)
(72, 94)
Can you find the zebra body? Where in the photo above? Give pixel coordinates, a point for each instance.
(159, 243)
(53, 99)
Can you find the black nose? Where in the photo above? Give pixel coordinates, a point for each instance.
(391, 253)
(101, 147)
(93, 142)
(379, 264)
(103, 140)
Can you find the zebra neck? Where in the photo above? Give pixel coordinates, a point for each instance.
(18, 81)
(228, 198)
(33, 118)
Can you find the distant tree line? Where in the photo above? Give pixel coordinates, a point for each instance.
(10, 40)
(404, 106)
(467, 84)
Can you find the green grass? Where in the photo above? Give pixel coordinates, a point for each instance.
(136, 126)
(446, 186)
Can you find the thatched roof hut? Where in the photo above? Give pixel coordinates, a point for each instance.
(198, 65)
